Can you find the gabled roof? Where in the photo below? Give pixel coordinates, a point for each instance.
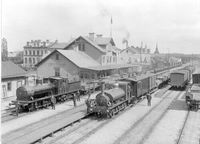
(104, 41)
(129, 49)
(9, 70)
(59, 45)
(87, 40)
(79, 58)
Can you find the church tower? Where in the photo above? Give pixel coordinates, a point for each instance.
(156, 51)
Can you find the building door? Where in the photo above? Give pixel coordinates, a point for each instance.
(4, 91)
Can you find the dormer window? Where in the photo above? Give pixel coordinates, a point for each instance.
(57, 56)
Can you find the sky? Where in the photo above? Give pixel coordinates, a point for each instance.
(173, 24)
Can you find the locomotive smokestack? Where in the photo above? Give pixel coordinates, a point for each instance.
(102, 87)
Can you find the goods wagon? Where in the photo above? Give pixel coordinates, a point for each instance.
(179, 79)
(139, 85)
(152, 81)
(193, 97)
(196, 77)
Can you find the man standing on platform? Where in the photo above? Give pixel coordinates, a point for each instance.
(74, 99)
(53, 101)
(149, 99)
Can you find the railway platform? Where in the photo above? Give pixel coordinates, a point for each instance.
(38, 130)
(37, 116)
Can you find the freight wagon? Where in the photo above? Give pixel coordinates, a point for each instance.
(179, 79)
(196, 77)
(193, 97)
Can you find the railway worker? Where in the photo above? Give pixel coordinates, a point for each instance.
(149, 99)
(53, 102)
(74, 99)
(78, 96)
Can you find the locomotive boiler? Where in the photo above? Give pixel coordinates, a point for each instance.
(109, 102)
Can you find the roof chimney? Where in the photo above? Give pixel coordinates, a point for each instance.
(27, 44)
(99, 35)
(91, 36)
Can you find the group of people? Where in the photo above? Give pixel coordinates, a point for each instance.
(76, 97)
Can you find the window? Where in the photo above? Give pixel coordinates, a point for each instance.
(33, 52)
(25, 60)
(9, 86)
(83, 47)
(57, 71)
(79, 47)
(30, 61)
(45, 51)
(57, 56)
(33, 60)
(30, 52)
(26, 53)
(19, 83)
(41, 52)
(38, 52)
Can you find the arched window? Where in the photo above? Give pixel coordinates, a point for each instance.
(25, 60)
(33, 52)
(38, 52)
(33, 60)
(30, 61)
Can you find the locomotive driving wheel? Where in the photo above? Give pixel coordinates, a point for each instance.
(111, 114)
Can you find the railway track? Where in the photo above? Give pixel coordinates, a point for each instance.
(48, 129)
(79, 133)
(140, 131)
(181, 132)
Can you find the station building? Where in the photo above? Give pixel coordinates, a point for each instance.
(12, 77)
(85, 58)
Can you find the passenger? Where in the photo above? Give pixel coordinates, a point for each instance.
(53, 102)
(74, 99)
(149, 99)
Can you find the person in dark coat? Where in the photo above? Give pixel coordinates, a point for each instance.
(53, 102)
(74, 99)
(149, 99)
(78, 96)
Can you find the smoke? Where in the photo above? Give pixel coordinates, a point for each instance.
(103, 11)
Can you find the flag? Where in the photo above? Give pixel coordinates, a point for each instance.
(111, 20)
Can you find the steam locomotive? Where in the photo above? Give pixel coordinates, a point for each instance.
(30, 98)
(124, 92)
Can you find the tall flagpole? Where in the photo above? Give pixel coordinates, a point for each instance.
(111, 21)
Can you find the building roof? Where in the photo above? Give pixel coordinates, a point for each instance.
(9, 70)
(59, 45)
(104, 41)
(89, 41)
(113, 66)
(79, 58)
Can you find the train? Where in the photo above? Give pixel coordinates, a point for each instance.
(124, 92)
(30, 98)
(193, 93)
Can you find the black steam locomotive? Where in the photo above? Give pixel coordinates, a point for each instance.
(30, 98)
